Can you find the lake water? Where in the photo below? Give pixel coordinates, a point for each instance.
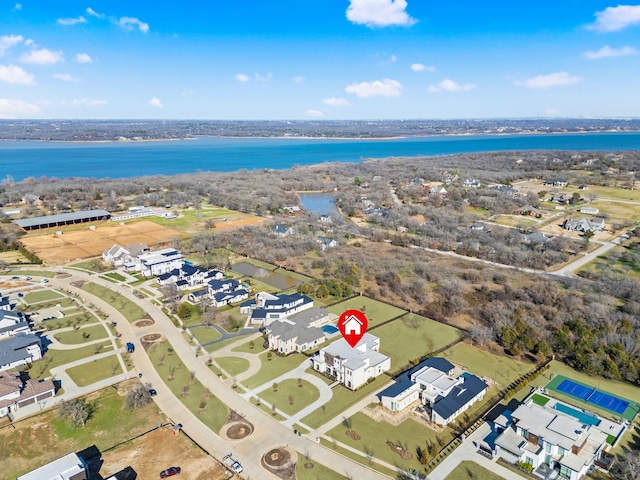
(125, 160)
(318, 203)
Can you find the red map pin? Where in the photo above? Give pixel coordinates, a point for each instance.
(353, 325)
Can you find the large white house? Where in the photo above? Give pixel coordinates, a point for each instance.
(266, 308)
(69, 467)
(13, 323)
(558, 435)
(159, 261)
(352, 367)
(299, 332)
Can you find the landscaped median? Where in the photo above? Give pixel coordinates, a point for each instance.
(195, 396)
(95, 371)
(126, 307)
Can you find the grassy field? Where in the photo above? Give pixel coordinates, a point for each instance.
(246, 348)
(96, 265)
(84, 335)
(126, 307)
(192, 393)
(468, 470)
(41, 296)
(515, 221)
(70, 320)
(342, 399)
(358, 458)
(55, 358)
(301, 396)
(412, 336)
(318, 471)
(611, 262)
(376, 312)
(233, 365)
(95, 371)
(32, 273)
(45, 437)
(13, 256)
(205, 334)
(114, 276)
(273, 368)
(617, 212)
(502, 369)
(409, 433)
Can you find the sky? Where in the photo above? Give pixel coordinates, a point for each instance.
(318, 59)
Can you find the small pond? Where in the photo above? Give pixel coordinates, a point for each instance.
(281, 281)
(318, 203)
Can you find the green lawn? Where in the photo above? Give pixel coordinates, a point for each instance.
(205, 334)
(194, 317)
(92, 264)
(74, 337)
(115, 276)
(502, 369)
(95, 371)
(412, 336)
(32, 273)
(301, 396)
(539, 399)
(516, 221)
(342, 399)
(375, 435)
(69, 321)
(222, 344)
(45, 437)
(468, 470)
(190, 392)
(273, 368)
(233, 365)
(126, 307)
(54, 358)
(42, 296)
(318, 471)
(358, 458)
(376, 312)
(246, 348)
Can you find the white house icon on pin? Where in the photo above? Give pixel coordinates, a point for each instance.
(352, 325)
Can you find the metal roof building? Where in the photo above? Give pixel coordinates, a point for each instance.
(62, 219)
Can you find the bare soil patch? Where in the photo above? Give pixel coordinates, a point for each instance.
(400, 451)
(281, 462)
(75, 245)
(145, 322)
(148, 455)
(353, 435)
(240, 430)
(241, 222)
(150, 339)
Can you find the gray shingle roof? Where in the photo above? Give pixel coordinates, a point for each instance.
(61, 218)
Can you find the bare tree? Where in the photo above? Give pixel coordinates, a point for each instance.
(78, 411)
(479, 334)
(138, 396)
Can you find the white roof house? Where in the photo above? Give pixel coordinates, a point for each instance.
(69, 467)
(352, 367)
(160, 261)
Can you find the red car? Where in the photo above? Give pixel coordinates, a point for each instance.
(170, 472)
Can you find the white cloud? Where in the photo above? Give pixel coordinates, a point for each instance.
(30, 43)
(552, 111)
(612, 19)
(15, 74)
(260, 78)
(551, 80)
(83, 58)
(42, 57)
(65, 77)
(18, 7)
(88, 102)
(8, 41)
(379, 13)
(72, 21)
(448, 85)
(155, 102)
(93, 13)
(336, 102)
(298, 80)
(10, 108)
(129, 23)
(608, 52)
(314, 113)
(377, 88)
(241, 77)
(419, 67)
(393, 58)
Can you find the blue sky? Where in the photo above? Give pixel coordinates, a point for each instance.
(319, 59)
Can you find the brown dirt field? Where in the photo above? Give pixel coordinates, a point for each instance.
(158, 450)
(74, 245)
(242, 222)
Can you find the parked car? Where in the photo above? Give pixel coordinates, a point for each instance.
(153, 392)
(170, 472)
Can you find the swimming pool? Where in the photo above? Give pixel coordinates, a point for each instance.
(583, 417)
(329, 329)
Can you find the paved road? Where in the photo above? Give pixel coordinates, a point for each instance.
(267, 433)
(582, 261)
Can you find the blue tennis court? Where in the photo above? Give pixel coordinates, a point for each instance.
(592, 395)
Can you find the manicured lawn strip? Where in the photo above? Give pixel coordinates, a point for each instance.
(359, 458)
(66, 302)
(302, 397)
(45, 437)
(32, 273)
(376, 312)
(318, 470)
(129, 310)
(233, 365)
(68, 321)
(342, 399)
(75, 337)
(246, 348)
(515, 220)
(539, 400)
(222, 344)
(194, 317)
(215, 413)
(468, 470)
(54, 358)
(502, 369)
(311, 371)
(115, 276)
(205, 334)
(42, 296)
(375, 435)
(95, 371)
(412, 336)
(274, 368)
(267, 410)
